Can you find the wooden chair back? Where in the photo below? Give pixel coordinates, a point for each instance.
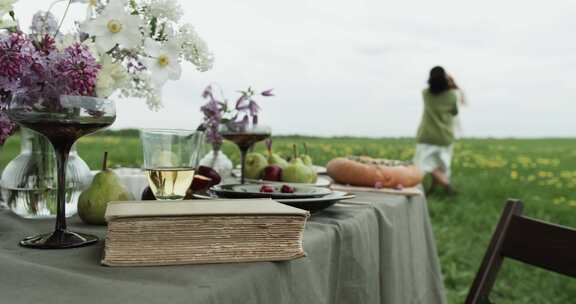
(537, 243)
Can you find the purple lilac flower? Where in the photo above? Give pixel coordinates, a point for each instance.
(16, 55)
(7, 127)
(78, 69)
(38, 70)
(46, 45)
(44, 23)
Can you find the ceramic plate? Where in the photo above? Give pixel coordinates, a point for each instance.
(322, 181)
(320, 170)
(320, 203)
(253, 191)
(310, 204)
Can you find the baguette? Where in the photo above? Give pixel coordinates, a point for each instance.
(367, 172)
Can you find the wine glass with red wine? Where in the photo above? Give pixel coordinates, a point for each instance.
(62, 121)
(244, 135)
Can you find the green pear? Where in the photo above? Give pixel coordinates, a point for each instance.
(105, 188)
(255, 164)
(306, 159)
(312, 176)
(275, 159)
(298, 172)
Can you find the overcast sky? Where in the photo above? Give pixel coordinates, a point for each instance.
(357, 67)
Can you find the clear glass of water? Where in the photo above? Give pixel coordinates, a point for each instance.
(170, 160)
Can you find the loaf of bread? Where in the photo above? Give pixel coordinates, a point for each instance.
(368, 172)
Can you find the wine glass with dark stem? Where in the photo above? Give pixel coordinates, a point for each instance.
(244, 135)
(62, 121)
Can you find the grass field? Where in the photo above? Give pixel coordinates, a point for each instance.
(486, 172)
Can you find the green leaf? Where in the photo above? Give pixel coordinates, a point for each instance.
(161, 33)
(153, 24)
(134, 7)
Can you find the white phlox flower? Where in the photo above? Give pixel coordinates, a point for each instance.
(111, 77)
(164, 9)
(114, 26)
(194, 48)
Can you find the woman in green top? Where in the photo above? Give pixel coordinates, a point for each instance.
(436, 132)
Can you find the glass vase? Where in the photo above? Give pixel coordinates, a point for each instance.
(29, 181)
(217, 160)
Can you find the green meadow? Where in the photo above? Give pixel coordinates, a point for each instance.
(541, 172)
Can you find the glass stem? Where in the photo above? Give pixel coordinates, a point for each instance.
(61, 161)
(243, 152)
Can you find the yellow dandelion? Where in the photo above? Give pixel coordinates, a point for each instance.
(514, 174)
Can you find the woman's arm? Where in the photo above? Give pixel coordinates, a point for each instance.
(452, 85)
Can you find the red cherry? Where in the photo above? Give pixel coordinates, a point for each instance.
(287, 189)
(266, 189)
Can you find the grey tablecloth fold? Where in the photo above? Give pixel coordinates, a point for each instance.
(381, 252)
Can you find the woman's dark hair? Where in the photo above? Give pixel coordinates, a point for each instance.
(438, 81)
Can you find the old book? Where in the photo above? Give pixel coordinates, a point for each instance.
(195, 232)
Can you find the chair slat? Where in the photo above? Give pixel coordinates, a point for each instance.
(541, 244)
(537, 243)
(484, 280)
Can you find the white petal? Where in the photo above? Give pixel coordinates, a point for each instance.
(94, 27)
(174, 69)
(105, 42)
(117, 5)
(160, 76)
(172, 46)
(129, 41)
(152, 47)
(132, 20)
(149, 63)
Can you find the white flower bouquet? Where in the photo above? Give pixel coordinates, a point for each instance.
(136, 45)
(127, 46)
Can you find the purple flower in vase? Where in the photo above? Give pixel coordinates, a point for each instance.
(208, 93)
(241, 103)
(212, 116)
(246, 110)
(254, 108)
(239, 125)
(267, 93)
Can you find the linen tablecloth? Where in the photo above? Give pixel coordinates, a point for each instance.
(381, 251)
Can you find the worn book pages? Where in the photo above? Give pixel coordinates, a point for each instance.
(195, 232)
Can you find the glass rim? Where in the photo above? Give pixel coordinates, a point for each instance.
(20, 95)
(167, 131)
(223, 128)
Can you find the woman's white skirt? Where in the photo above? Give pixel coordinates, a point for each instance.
(431, 157)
